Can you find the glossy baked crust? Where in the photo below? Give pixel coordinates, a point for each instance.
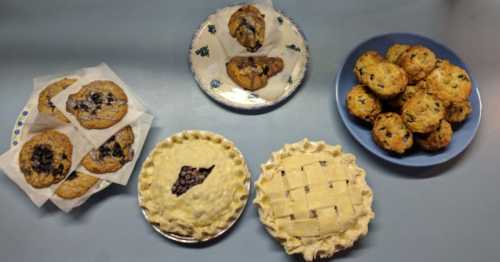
(206, 208)
(314, 199)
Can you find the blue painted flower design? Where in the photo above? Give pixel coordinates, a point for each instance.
(290, 81)
(212, 29)
(252, 96)
(203, 51)
(293, 47)
(25, 113)
(280, 20)
(215, 83)
(19, 123)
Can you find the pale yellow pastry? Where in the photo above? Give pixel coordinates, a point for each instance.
(314, 199)
(194, 184)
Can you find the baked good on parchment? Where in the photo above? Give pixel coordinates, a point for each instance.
(194, 185)
(113, 154)
(98, 104)
(314, 199)
(248, 26)
(76, 185)
(46, 158)
(44, 103)
(253, 72)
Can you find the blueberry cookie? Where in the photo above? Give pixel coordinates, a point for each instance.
(438, 139)
(395, 51)
(457, 112)
(363, 104)
(423, 112)
(113, 154)
(390, 132)
(76, 185)
(385, 79)
(44, 103)
(98, 105)
(252, 72)
(46, 158)
(449, 82)
(248, 26)
(366, 59)
(418, 62)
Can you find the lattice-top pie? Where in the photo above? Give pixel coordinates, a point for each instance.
(194, 184)
(314, 199)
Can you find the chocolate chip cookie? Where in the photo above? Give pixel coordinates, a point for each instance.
(366, 59)
(395, 51)
(423, 112)
(437, 139)
(98, 105)
(418, 62)
(252, 72)
(113, 154)
(44, 103)
(76, 185)
(46, 158)
(248, 26)
(457, 112)
(390, 132)
(385, 79)
(363, 104)
(449, 82)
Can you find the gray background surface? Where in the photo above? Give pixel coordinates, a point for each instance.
(445, 213)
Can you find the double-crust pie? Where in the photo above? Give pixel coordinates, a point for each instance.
(314, 199)
(194, 185)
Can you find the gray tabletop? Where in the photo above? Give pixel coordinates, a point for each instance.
(445, 213)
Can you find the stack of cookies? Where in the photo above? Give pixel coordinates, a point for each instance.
(409, 97)
(85, 131)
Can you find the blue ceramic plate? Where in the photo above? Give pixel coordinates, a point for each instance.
(417, 158)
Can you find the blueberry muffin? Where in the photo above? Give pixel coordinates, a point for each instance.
(385, 79)
(76, 185)
(449, 82)
(113, 154)
(366, 59)
(423, 112)
(418, 61)
(46, 106)
(46, 158)
(457, 112)
(248, 26)
(98, 105)
(252, 72)
(395, 51)
(437, 139)
(390, 132)
(363, 104)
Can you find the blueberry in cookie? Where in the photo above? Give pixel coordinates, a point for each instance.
(398, 102)
(418, 61)
(385, 79)
(113, 154)
(363, 104)
(44, 103)
(390, 132)
(395, 51)
(423, 112)
(437, 139)
(449, 82)
(76, 185)
(248, 26)
(98, 105)
(46, 158)
(252, 72)
(366, 59)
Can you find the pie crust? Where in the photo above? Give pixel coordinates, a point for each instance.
(206, 209)
(314, 199)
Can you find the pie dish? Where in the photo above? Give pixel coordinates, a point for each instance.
(193, 186)
(314, 199)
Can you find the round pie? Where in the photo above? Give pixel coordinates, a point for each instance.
(98, 104)
(314, 199)
(194, 185)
